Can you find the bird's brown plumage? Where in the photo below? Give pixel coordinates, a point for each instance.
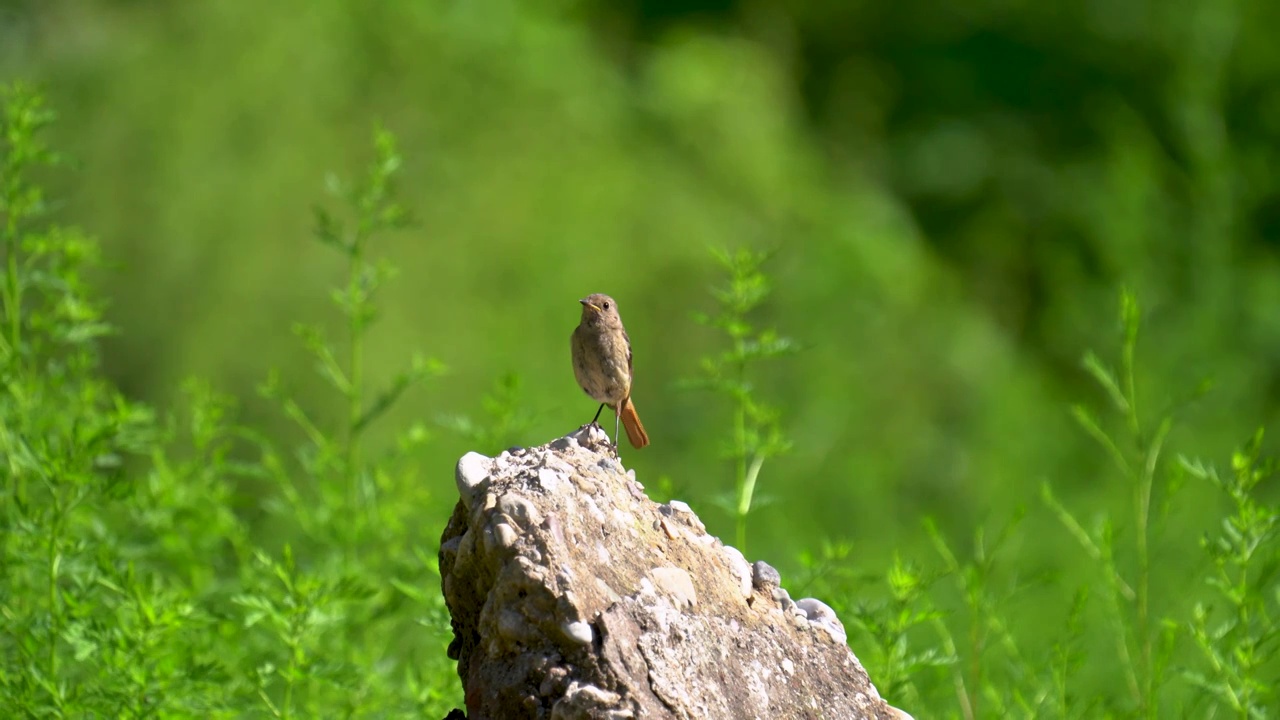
(602, 362)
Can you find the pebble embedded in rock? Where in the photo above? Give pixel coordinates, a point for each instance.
(520, 510)
(681, 510)
(472, 475)
(741, 569)
(579, 632)
(511, 624)
(764, 576)
(584, 701)
(838, 635)
(821, 614)
(677, 584)
(553, 526)
(587, 486)
(550, 480)
(505, 535)
(554, 681)
(814, 609)
(449, 548)
(669, 531)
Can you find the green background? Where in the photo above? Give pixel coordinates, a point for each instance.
(954, 195)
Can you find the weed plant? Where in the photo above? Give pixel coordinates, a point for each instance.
(136, 579)
(755, 431)
(133, 585)
(948, 640)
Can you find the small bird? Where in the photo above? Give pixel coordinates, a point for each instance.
(602, 364)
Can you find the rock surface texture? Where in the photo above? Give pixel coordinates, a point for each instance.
(573, 595)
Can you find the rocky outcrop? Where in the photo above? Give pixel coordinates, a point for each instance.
(573, 595)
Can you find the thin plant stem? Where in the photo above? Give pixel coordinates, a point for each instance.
(13, 288)
(55, 615)
(355, 394)
(13, 292)
(745, 496)
(740, 448)
(1143, 510)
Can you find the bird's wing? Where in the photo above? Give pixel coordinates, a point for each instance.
(628, 340)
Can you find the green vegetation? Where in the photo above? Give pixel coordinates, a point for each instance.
(756, 433)
(950, 201)
(1207, 650)
(139, 580)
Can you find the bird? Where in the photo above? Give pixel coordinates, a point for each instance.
(602, 364)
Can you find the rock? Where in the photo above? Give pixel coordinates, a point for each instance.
(573, 595)
(579, 632)
(677, 584)
(471, 474)
(822, 616)
(741, 569)
(764, 576)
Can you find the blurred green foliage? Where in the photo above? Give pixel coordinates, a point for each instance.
(148, 560)
(952, 196)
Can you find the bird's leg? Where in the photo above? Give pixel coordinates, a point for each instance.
(617, 421)
(597, 417)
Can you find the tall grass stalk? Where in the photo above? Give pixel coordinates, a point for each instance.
(755, 428)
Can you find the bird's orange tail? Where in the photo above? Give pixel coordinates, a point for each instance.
(631, 421)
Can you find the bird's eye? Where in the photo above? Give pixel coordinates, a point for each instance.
(605, 306)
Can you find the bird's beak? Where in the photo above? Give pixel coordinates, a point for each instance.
(585, 303)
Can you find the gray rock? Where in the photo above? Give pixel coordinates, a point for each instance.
(816, 610)
(821, 615)
(506, 535)
(524, 513)
(681, 511)
(574, 596)
(764, 577)
(471, 474)
(741, 569)
(579, 632)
